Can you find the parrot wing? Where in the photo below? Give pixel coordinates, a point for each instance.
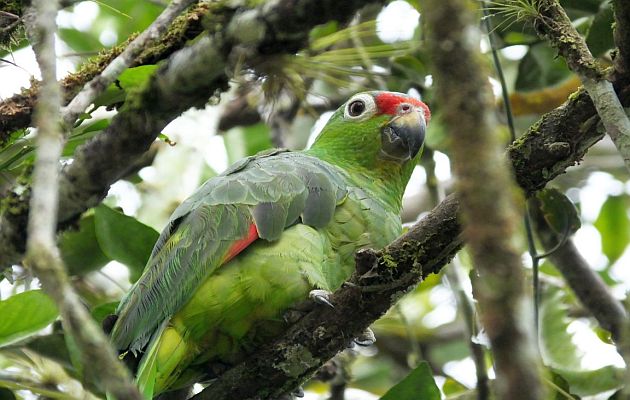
(257, 197)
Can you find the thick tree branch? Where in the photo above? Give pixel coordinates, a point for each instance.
(16, 111)
(552, 23)
(484, 186)
(99, 83)
(42, 252)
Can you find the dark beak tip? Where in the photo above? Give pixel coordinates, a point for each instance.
(402, 138)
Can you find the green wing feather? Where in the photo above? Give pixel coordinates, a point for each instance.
(272, 190)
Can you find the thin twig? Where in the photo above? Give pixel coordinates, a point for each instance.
(455, 279)
(553, 23)
(100, 82)
(42, 253)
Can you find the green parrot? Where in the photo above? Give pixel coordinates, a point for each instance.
(272, 231)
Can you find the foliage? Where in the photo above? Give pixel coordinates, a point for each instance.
(24, 314)
(418, 384)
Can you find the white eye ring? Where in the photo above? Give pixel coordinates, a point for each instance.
(360, 107)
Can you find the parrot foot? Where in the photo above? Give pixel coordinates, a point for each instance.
(299, 392)
(297, 311)
(366, 338)
(321, 297)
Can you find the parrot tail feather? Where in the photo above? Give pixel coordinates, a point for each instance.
(147, 371)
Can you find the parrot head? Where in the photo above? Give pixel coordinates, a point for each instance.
(378, 133)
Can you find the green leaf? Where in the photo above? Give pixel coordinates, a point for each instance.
(130, 78)
(419, 384)
(24, 314)
(560, 352)
(614, 227)
(110, 96)
(600, 34)
(540, 68)
(22, 149)
(80, 249)
(135, 77)
(561, 387)
(76, 358)
(558, 211)
(410, 66)
(82, 134)
(124, 239)
(590, 383)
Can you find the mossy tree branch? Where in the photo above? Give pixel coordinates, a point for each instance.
(100, 82)
(551, 22)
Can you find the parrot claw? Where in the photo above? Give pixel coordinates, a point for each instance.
(299, 392)
(367, 338)
(321, 297)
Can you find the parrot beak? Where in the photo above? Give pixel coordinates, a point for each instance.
(402, 137)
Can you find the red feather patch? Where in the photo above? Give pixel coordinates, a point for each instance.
(387, 103)
(241, 244)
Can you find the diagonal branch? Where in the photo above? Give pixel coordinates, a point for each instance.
(16, 111)
(552, 23)
(99, 83)
(42, 252)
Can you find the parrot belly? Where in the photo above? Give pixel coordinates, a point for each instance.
(241, 305)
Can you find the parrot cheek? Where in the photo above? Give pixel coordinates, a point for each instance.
(402, 138)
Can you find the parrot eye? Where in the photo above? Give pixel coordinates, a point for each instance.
(360, 107)
(356, 108)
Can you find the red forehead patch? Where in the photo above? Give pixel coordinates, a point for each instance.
(388, 102)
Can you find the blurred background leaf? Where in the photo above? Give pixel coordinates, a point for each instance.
(24, 314)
